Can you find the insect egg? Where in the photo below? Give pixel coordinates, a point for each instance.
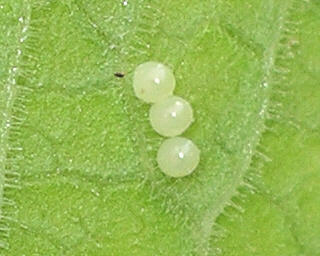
(171, 117)
(153, 82)
(178, 157)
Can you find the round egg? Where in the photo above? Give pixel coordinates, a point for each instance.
(171, 116)
(178, 157)
(153, 82)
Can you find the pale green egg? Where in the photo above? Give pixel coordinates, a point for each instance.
(171, 116)
(153, 82)
(178, 157)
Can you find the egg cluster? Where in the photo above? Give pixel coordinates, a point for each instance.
(169, 116)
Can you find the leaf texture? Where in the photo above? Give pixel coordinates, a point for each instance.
(85, 150)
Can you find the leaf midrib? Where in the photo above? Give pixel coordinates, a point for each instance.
(269, 67)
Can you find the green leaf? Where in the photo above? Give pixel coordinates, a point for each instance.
(85, 151)
(282, 217)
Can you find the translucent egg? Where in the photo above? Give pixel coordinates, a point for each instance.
(171, 117)
(153, 82)
(178, 157)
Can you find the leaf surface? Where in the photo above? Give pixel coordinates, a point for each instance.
(85, 150)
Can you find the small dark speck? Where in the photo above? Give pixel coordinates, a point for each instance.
(119, 74)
